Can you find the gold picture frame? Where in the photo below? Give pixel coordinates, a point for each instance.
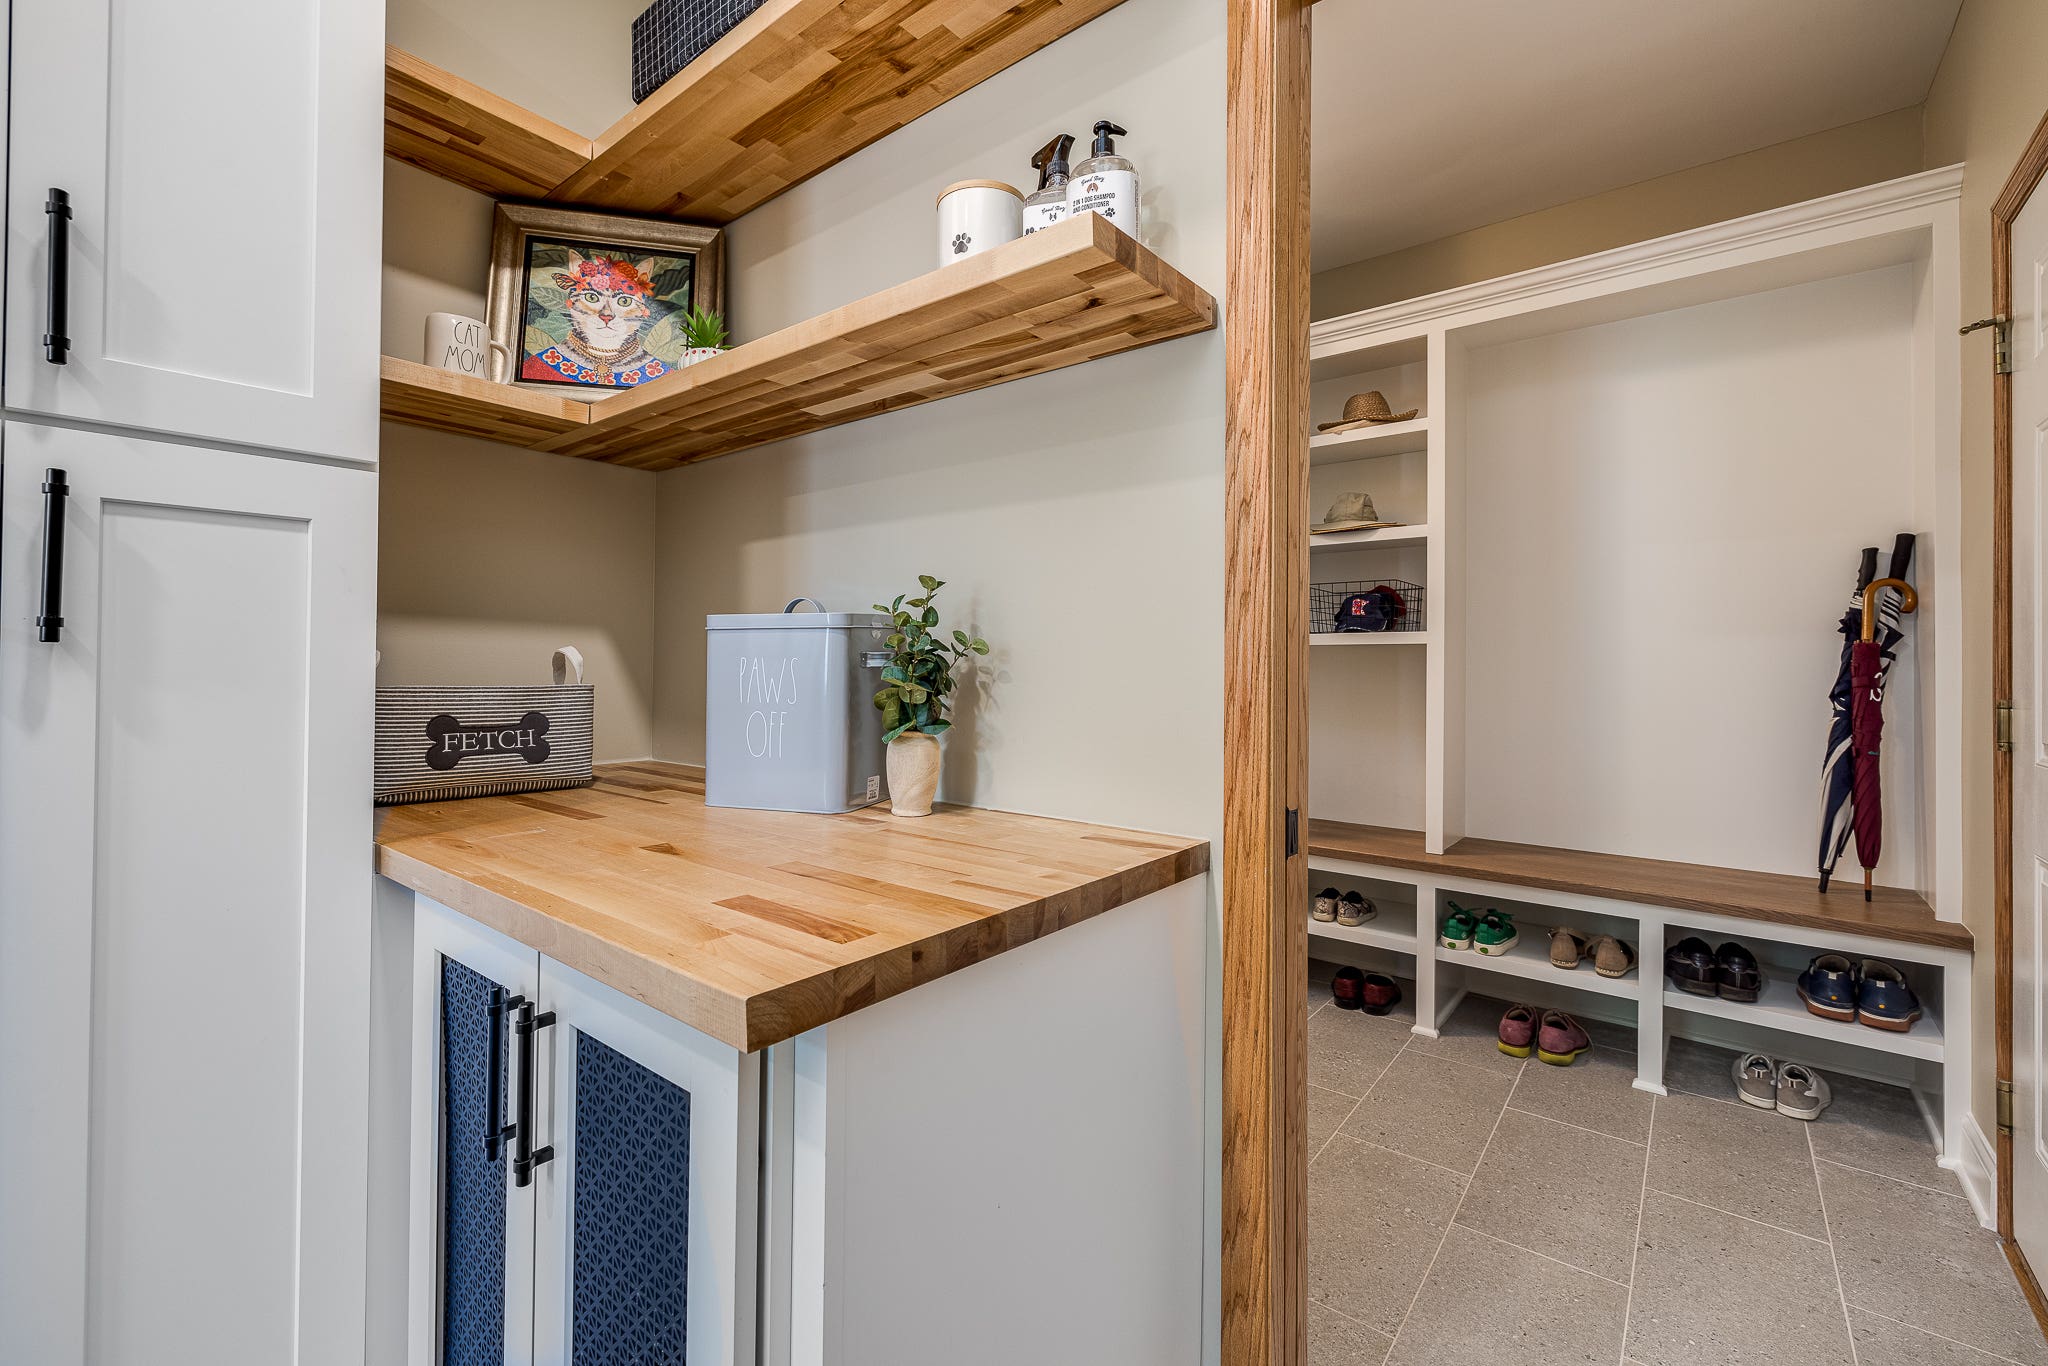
(592, 303)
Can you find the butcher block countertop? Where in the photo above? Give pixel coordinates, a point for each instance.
(754, 926)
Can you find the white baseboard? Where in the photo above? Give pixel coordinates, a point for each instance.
(1977, 1168)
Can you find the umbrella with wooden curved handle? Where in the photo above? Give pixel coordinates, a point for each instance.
(1866, 725)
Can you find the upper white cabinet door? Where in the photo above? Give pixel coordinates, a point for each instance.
(184, 907)
(223, 160)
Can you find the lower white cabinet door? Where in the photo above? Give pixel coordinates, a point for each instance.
(647, 1219)
(184, 904)
(472, 1232)
(615, 1220)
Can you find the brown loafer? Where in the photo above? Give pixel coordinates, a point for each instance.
(1567, 947)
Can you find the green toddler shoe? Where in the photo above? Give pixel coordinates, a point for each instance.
(1458, 928)
(1495, 934)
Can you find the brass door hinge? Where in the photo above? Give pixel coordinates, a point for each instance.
(2005, 1108)
(2001, 724)
(2001, 346)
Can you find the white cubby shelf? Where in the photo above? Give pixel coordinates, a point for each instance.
(1371, 538)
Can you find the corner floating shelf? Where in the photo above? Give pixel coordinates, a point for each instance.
(795, 87)
(1367, 443)
(1071, 293)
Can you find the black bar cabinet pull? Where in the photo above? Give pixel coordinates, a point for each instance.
(50, 621)
(496, 1131)
(524, 1156)
(56, 345)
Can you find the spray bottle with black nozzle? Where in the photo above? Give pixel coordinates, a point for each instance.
(1048, 204)
(1106, 183)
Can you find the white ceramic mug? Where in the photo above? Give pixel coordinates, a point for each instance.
(976, 215)
(461, 344)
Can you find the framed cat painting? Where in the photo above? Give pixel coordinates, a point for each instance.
(595, 302)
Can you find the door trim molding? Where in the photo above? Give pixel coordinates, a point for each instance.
(1264, 1299)
(2019, 187)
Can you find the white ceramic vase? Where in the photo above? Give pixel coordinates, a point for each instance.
(913, 764)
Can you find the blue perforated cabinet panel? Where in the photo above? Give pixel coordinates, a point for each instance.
(473, 1266)
(632, 1226)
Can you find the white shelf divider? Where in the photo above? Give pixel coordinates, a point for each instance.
(1780, 1008)
(1368, 443)
(1369, 638)
(1530, 957)
(1372, 934)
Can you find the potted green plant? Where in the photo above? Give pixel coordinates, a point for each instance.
(704, 335)
(916, 683)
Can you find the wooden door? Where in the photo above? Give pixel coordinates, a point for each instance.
(184, 906)
(223, 162)
(471, 1278)
(646, 1221)
(2030, 740)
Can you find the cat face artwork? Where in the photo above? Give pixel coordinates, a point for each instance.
(600, 316)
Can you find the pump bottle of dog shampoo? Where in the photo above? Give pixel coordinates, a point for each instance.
(1106, 183)
(1048, 204)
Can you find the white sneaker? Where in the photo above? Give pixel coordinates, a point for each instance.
(1756, 1081)
(1354, 910)
(1802, 1092)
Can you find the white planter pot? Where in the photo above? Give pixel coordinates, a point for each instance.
(697, 353)
(913, 764)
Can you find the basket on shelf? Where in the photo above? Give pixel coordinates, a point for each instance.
(670, 34)
(1389, 605)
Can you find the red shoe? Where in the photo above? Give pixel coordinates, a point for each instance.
(1518, 1031)
(1381, 994)
(1561, 1039)
(1347, 988)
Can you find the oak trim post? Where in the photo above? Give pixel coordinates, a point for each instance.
(1265, 937)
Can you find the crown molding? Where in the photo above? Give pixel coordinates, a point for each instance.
(1413, 317)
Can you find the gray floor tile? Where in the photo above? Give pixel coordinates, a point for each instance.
(1879, 1129)
(1597, 1092)
(1374, 1219)
(1920, 1257)
(1745, 1161)
(1619, 1037)
(1472, 1036)
(1348, 1049)
(1881, 1342)
(1438, 1111)
(1485, 1304)
(1699, 1069)
(1560, 1191)
(1326, 1110)
(1714, 1289)
(1334, 1340)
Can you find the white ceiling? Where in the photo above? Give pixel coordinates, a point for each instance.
(1436, 116)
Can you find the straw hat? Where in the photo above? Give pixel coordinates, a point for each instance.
(1368, 409)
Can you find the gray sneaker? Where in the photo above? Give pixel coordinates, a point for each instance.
(1802, 1092)
(1756, 1081)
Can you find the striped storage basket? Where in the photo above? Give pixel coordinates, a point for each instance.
(434, 744)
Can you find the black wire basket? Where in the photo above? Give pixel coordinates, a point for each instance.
(1367, 605)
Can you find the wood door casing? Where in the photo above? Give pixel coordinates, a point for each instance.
(1265, 939)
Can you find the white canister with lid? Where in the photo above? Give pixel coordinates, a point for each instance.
(976, 215)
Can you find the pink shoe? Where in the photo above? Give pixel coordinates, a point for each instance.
(1561, 1039)
(1517, 1031)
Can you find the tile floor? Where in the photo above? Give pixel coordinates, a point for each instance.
(1469, 1209)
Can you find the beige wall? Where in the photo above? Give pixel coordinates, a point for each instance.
(490, 557)
(1875, 149)
(1987, 99)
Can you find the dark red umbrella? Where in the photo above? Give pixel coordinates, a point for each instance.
(1866, 725)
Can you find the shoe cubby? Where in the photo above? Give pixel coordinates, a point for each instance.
(1392, 929)
(1780, 1009)
(1529, 958)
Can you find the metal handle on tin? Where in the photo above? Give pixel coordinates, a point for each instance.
(791, 605)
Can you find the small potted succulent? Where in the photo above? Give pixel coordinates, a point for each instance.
(703, 335)
(912, 698)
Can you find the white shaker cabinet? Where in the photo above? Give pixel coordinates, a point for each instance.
(184, 904)
(222, 161)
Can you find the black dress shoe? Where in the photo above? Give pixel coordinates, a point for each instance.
(1691, 966)
(1737, 974)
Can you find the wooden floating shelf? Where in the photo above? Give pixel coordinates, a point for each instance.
(1072, 293)
(794, 88)
(1895, 914)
